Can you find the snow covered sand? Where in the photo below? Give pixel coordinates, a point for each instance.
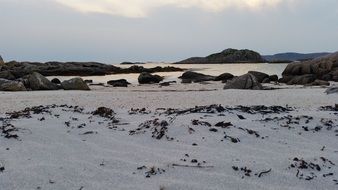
(293, 146)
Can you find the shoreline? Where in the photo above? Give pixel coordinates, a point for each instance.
(175, 96)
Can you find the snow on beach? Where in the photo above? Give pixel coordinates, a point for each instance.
(290, 144)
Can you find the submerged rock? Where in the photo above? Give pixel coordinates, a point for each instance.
(247, 81)
(75, 84)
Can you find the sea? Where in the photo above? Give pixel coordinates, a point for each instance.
(209, 69)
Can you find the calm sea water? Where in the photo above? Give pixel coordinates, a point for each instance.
(210, 69)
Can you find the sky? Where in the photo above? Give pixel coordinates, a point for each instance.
(113, 31)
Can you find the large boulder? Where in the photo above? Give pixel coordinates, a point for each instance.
(323, 68)
(224, 77)
(119, 83)
(247, 81)
(38, 82)
(8, 85)
(75, 84)
(147, 78)
(191, 76)
(259, 75)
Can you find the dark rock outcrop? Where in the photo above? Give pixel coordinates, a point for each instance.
(141, 69)
(119, 83)
(36, 81)
(75, 84)
(191, 76)
(147, 78)
(7, 75)
(224, 77)
(324, 68)
(56, 81)
(20, 69)
(8, 85)
(247, 81)
(167, 83)
(273, 78)
(131, 63)
(227, 56)
(260, 76)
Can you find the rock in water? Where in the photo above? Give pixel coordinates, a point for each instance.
(246, 81)
(119, 83)
(75, 84)
(38, 82)
(147, 78)
(191, 76)
(8, 85)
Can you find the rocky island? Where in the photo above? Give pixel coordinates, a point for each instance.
(227, 56)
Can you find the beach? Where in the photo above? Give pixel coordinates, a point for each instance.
(156, 138)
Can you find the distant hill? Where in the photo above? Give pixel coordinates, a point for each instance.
(227, 56)
(291, 56)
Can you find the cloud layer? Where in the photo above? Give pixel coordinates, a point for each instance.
(142, 8)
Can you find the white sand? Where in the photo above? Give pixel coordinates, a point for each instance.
(175, 96)
(51, 155)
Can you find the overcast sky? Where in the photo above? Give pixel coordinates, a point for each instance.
(112, 31)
